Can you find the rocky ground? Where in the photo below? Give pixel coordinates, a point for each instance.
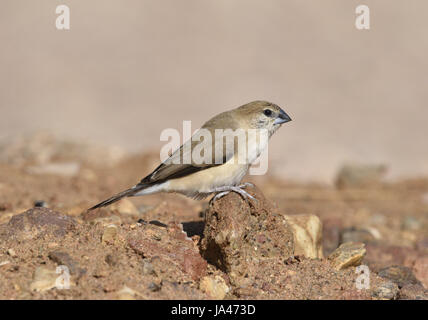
(297, 241)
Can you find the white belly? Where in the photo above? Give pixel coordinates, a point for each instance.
(206, 181)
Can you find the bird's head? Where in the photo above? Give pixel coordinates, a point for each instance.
(262, 115)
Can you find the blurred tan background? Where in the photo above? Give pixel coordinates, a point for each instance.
(129, 69)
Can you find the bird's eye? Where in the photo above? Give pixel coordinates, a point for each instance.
(267, 112)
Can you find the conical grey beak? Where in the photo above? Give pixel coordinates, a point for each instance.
(282, 117)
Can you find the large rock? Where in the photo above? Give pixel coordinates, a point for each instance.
(240, 234)
(36, 222)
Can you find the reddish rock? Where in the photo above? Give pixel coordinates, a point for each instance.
(37, 221)
(239, 234)
(153, 242)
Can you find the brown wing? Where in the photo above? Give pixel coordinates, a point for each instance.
(176, 167)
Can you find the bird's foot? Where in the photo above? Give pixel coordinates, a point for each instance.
(246, 184)
(222, 191)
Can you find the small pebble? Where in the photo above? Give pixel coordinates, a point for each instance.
(11, 252)
(148, 268)
(215, 287)
(386, 291)
(154, 287)
(3, 263)
(347, 255)
(110, 233)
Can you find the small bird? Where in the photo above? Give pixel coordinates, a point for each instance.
(223, 174)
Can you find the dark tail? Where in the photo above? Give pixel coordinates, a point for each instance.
(127, 193)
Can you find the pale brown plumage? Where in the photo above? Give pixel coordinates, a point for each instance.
(198, 180)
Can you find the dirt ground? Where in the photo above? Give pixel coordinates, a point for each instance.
(137, 249)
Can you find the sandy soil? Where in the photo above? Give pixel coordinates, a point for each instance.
(138, 249)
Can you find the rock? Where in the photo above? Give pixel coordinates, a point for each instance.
(45, 279)
(400, 275)
(148, 268)
(11, 252)
(360, 175)
(307, 231)
(63, 258)
(239, 234)
(109, 234)
(4, 263)
(154, 287)
(413, 292)
(127, 293)
(37, 221)
(169, 255)
(125, 207)
(215, 287)
(347, 255)
(386, 291)
(67, 169)
(5, 217)
(111, 260)
(356, 235)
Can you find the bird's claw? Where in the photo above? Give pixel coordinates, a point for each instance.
(246, 184)
(238, 189)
